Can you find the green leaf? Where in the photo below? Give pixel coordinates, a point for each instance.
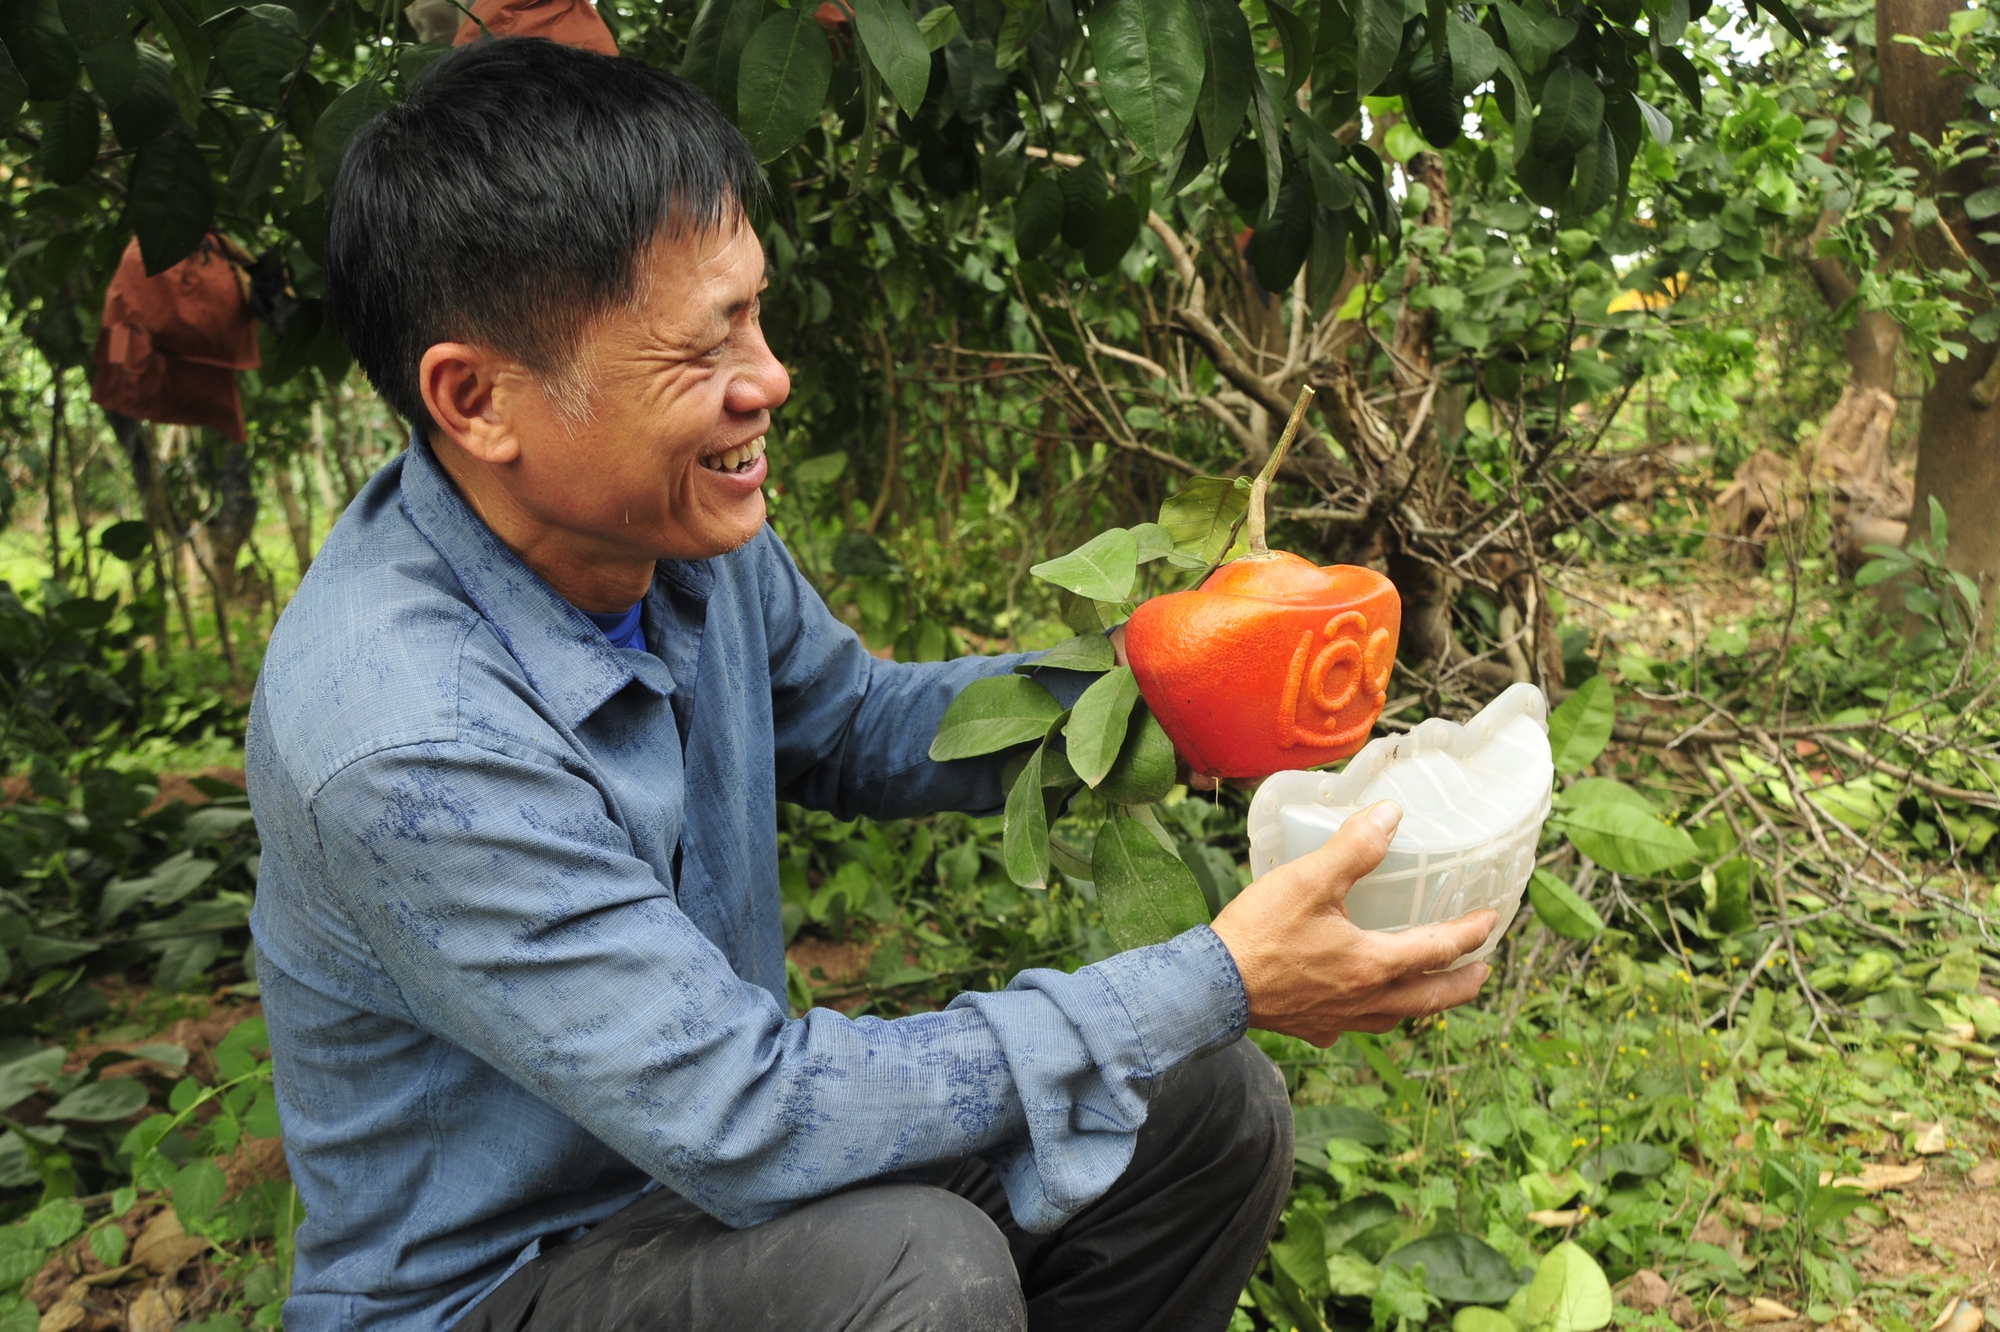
(1117, 227)
(1459, 1268)
(21, 1251)
(183, 34)
(258, 52)
(1279, 247)
(13, 92)
(993, 714)
(1627, 840)
(1024, 844)
(1085, 652)
(1625, 1160)
(196, 1191)
(26, 1076)
(1602, 790)
(1147, 894)
(1662, 130)
(897, 47)
(782, 81)
(1102, 568)
(1572, 109)
(823, 471)
(1146, 764)
(1682, 71)
(1569, 1292)
(258, 166)
(1581, 728)
(1296, 41)
(1474, 58)
(1224, 95)
(1378, 32)
(1312, 1125)
(1200, 517)
(715, 46)
(1533, 34)
(338, 123)
(1097, 725)
(1149, 67)
(1432, 100)
(1788, 20)
(112, 67)
(1038, 213)
(43, 53)
(1561, 909)
(93, 23)
(17, 1171)
(108, 1243)
(1264, 101)
(71, 133)
(1152, 541)
(170, 199)
(1472, 1318)
(939, 27)
(1084, 192)
(236, 1053)
(57, 1222)
(148, 109)
(101, 1102)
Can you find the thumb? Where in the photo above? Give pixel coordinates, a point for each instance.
(1349, 854)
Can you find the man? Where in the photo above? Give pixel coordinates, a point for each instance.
(516, 754)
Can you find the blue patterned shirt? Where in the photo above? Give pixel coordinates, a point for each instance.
(518, 920)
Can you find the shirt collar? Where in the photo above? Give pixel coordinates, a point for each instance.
(565, 657)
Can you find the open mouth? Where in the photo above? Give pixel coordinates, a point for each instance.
(739, 459)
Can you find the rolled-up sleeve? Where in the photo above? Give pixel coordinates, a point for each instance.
(501, 898)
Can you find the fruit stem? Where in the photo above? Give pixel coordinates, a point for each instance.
(1254, 527)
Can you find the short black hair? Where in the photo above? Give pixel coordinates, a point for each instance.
(507, 201)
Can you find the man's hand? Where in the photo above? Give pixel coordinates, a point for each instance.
(1311, 972)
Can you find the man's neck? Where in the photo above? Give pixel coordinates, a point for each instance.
(583, 578)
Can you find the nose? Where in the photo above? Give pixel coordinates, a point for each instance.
(761, 384)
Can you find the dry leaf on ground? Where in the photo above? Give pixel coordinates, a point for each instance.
(1960, 1316)
(1646, 1291)
(164, 1248)
(1768, 1311)
(157, 1311)
(1875, 1177)
(1930, 1139)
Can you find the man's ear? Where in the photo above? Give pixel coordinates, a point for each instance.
(465, 389)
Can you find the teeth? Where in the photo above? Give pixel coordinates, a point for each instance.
(736, 459)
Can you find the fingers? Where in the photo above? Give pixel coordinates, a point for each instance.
(1350, 853)
(1421, 996)
(1435, 947)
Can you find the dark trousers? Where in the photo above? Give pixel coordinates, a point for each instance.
(1170, 1246)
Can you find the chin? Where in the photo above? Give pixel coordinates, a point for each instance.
(722, 536)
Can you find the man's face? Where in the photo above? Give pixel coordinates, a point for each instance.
(669, 462)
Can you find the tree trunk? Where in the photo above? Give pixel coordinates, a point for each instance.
(1958, 445)
(137, 442)
(295, 518)
(232, 483)
(1873, 341)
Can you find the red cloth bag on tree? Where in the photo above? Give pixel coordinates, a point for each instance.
(171, 344)
(570, 22)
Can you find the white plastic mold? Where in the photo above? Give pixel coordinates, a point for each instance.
(1474, 798)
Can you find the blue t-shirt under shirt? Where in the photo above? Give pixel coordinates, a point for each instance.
(621, 627)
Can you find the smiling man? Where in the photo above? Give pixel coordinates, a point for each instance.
(516, 754)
